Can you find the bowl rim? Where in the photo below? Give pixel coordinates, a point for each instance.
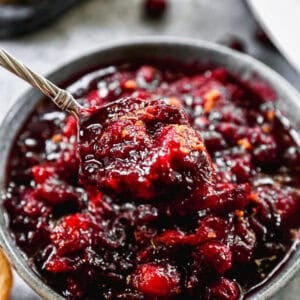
(266, 73)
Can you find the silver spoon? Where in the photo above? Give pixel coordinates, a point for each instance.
(62, 98)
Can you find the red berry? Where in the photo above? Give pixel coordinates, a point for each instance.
(73, 233)
(262, 37)
(41, 173)
(156, 281)
(244, 242)
(155, 7)
(171, 237)
(215, 255)
(234, 43)
(55, 192)
(70, 128)
(57, 264)
(223, 289)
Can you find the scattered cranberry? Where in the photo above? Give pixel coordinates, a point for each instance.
(262, 37)
(234, 43)
(155, 8)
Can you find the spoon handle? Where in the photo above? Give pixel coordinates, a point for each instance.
(62, 98)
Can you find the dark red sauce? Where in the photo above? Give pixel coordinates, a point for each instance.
(145, 149)
(221, 198)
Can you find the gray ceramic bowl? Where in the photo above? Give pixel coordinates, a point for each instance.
(179, 49)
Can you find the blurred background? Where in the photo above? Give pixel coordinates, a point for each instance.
(47, 33)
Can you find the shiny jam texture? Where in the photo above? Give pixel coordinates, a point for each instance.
(124, 225)
(144, 149)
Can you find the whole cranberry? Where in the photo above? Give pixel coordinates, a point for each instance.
(215, 255)
(233, 42)
(262, 37)
(288, 206)
(73, 233)
(156, 281)
(155, 8)
(223, 289)
(244, 242)
(55, 192)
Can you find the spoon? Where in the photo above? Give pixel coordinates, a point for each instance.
(116, 151)
(61, 98)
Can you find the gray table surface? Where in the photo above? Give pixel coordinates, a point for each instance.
(95, 22)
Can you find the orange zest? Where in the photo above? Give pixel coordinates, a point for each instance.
(211, 235)
(270, 115)
(239, 213)
(124, 133)
(57, 138)
(254, 197)
(211, 99)
(139, 123)
(174, 101)
(130, 84)
(266, 128)
(245, 144)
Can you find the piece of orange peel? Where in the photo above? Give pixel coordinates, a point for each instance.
(211, 99)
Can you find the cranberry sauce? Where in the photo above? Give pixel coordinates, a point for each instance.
(143, 149)
(191, 181)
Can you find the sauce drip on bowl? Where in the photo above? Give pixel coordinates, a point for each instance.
(103, 230)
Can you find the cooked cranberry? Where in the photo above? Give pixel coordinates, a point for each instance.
(148, 77)
(42, 173)
(244, 243)
(277, 205)
(209, 228)
(157, 281)
(216, 256)
(223, 289)
(242, 168)
(74, 233)
(214, 141)
(55, 192)
(70, 128)
(58, 264)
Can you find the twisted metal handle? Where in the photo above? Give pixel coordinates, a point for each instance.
(62, 98)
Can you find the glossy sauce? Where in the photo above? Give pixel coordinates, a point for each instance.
(91, 244)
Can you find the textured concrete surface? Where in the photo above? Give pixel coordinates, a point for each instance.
(95, 22)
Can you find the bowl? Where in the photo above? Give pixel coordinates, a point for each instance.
(18, 19)
(178, 49)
